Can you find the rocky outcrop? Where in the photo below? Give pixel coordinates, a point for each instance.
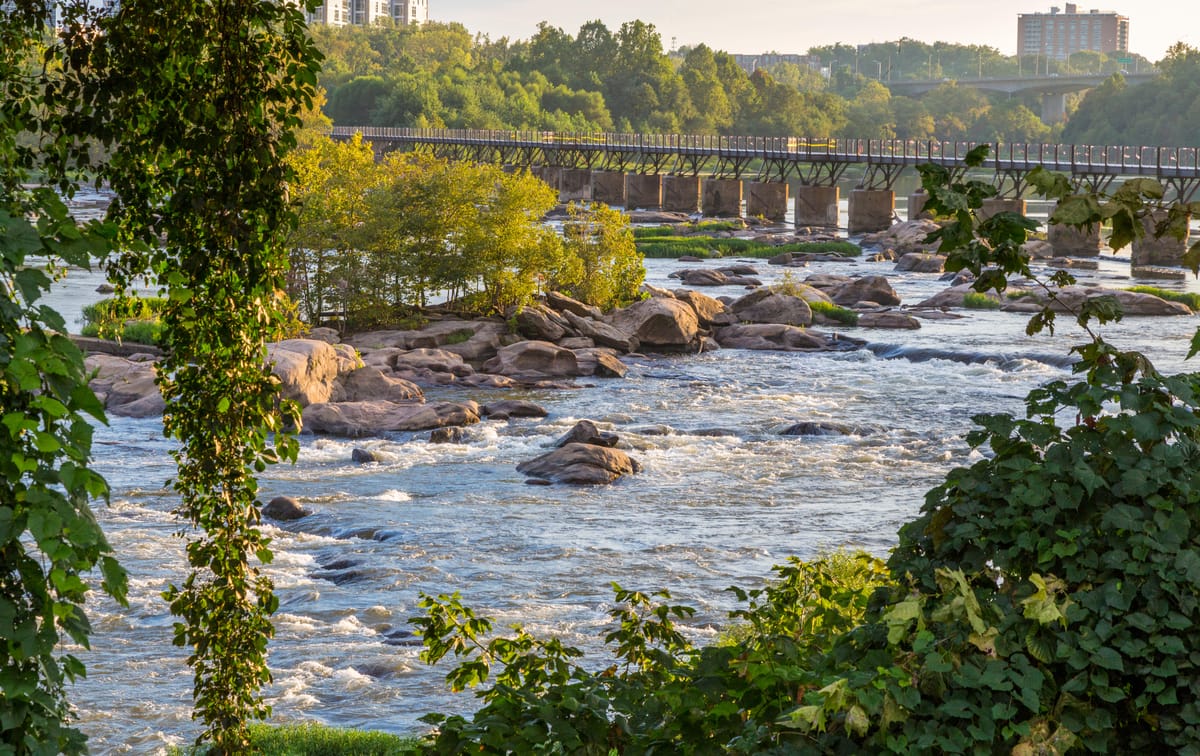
(713, 277)
(905, 237)
(564, 304)
(533, 360)
(368, 383)
(659, 324)
(125, 387)
(602, 333)
(306, 369)
(785, 338)
(768, 306)
(920, 262)
(539, 323)
(709, 311)
(580, 463)
(888, 319)
(1070, 298)
(506, 408)
(601, 362)
(356, 419)
(473, 340)
(875, 289)
(586, 432)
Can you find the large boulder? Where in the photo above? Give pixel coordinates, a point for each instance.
(125, 387)
(866, 289)
(369, 383)
(538, 322)
(434, 360)
(355, 419)
(580, 463)
(506, 408)
(601, 362)
(905, 237)
(284, 509)
(602, 333)
(473, 340)
(587, 432)
(660, 324)
(564, 304)
(779, 337)
(533, 360)
(306, 369)
(769, 306)
(1072, 297)
(709, 311)
(921, 262)
(888, 319)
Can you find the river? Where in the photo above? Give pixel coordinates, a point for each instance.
(721, 499)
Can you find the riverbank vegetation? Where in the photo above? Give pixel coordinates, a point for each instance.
(601, 79)
(376, 242)
(663, 242)
(133, 319)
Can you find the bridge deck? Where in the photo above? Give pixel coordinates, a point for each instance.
(731, 154)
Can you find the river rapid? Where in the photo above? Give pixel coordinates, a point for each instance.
(722, 497)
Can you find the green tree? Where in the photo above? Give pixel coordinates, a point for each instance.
(198, 103)
(712, 111)
(49, 539)
(607, 269)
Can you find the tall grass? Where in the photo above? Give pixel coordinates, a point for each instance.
(662, 246)
(133, 320)
(317, 740)
(1187, 298)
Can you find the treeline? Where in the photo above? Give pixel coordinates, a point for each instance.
(1165, 111)
(440, 75)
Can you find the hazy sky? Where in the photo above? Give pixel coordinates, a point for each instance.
(793, 26)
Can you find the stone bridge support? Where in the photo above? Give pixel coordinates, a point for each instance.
(916, 206)
(551, 175)
(817, 206)
(608, 187)
(644, 191)
(996, 205)
(1072, 242)
(1164, 251)
(871, 210)
(575, 185)
(767, 199)
(681, 194)
(1054, 108)
(722, 198)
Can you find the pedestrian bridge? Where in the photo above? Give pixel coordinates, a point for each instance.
(721, 175)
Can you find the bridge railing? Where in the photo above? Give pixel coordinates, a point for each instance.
(1077, 158)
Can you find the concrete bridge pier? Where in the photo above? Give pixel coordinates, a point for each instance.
(1054, 107)
(768, 199)
(575, 185)
(1073, 242)
(681, 194)
(722, 198)
(644, 191)
(996, 205)
(817, 206)
(916, 206)
(608, 187)
(871, 210)
(550, 174)
(1164, 251)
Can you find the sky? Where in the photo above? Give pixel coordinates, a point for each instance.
(793, 26)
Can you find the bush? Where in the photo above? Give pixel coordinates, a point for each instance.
(605, 268)
(974, 300)
(134, 319)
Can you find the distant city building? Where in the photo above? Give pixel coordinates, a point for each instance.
(367, 12)
(1057, 35)
(751, 63)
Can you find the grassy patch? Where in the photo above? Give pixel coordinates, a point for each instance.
(835, 313)
(666, 246)
(134, 320)
(975, 300)
(318, 740)
(1020, 294)
(1187, 298)
(460, 336)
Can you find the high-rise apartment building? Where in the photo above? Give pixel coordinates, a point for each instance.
(366, 12)
(1059, 34)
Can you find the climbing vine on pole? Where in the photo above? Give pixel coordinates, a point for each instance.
(199, 102)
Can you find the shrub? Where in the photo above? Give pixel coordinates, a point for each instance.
(974, 300)
(134, 319)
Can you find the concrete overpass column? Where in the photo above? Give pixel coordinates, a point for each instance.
(575, 185)
(817, 206)
(1072, 242)
(681, 194)
(644, 191)
(608, 187)
(1165, 251)
(722, 198)
(768, 199)
(550, 174)
(995, 205)
(1054, 107)
(871, 210)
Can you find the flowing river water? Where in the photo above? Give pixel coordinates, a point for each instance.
(722, 497)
